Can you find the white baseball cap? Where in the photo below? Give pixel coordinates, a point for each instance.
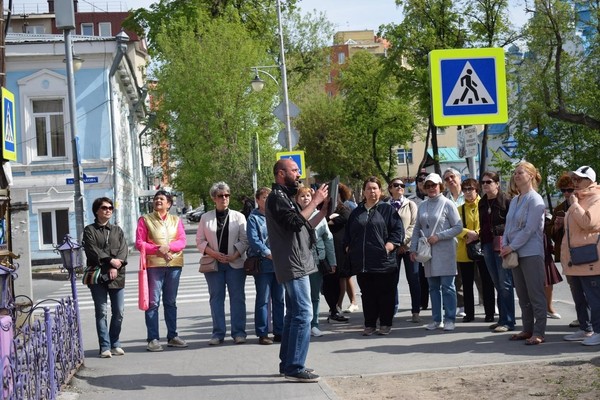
(585, 172)
(433, 177)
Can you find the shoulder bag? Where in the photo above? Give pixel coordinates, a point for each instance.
(208, 263)
(252, 265)
(423, 247)
(583, 254)
(474, 248)
(511, 260)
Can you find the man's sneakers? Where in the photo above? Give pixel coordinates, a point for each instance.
(117, 351)
(177, 342)
(305, 376)
(435, 325)
(593, 340)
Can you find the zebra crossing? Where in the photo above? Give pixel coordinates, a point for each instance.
(192, 289)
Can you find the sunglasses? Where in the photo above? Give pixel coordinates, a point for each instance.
(488, 182)
(223, 196)
(568, 190)
(107, 208)
(421, 180)
(397, 185)
(430, 185)
(468, 189)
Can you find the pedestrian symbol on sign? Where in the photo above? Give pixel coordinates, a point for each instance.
(468, 89)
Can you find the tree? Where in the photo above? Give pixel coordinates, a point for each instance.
(428, 25)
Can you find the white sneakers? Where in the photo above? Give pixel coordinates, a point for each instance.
(352, 308)
(447, 326)
(460, 312)
(154, 345)
(314, 331)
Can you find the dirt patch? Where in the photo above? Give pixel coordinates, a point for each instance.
(577, 379)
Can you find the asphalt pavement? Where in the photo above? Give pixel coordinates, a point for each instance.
(250, 371)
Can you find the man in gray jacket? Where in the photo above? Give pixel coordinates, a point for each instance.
(291, 239)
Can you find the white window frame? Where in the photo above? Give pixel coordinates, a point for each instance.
(55, 239)
(87, 25)
(103, 26)
(42, 85)
(35, 29)
(47, 116)
(341, 58)
(403, 156)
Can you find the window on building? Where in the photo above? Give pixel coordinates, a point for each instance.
(87, 29)
(341, 58)
(330, 80)
(49, 128)
(38, 29)
(54, 225)
(105, 29)
(405, 156)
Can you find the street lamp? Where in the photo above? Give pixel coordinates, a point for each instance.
(258, 84)
(65, 19)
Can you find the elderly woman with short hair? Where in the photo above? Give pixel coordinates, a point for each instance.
(222, 235)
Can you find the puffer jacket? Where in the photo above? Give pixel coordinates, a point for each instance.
(582, 225)
(366, 234)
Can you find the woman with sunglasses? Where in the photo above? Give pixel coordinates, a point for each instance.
(582, 224)
(105, 247)
(439, 222)
(493, 207)
(407, 210)
(222, 235)
(467, 267)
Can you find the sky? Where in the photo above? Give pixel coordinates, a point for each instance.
(344, 14)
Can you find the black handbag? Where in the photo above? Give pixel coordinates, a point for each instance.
(474, 251)
(324, 267)
(583, 254)
(252, 265)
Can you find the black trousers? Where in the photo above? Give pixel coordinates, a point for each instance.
(331, 290)
(424, 288)
(467, 270)
(378, 293)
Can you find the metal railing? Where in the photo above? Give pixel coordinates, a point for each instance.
(41, 346)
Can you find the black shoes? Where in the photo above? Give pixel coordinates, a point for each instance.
(277, 338)
(468, 319)
(304, 377)
(489, 319)
(337, 318)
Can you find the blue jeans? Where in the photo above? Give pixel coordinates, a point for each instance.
(316, 280)
(165, 281)
(591, 288)
(411, 270)
(503, 282)
(267, 289)
(234, 279)
(581, 306)
(296, 326)
(442, 288)
(108, 337)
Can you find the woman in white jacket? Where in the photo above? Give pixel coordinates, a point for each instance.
(222, 235)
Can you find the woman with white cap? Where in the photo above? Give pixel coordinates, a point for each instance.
(582, 227)
(439, 222)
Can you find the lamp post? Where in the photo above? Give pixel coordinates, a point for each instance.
(70, 254)
(65, 19)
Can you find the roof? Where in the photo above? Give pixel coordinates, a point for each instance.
(449, 155)
(50, 38)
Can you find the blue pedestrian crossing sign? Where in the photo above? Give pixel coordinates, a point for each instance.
(298, 157)
(9, 126)
(468, 86)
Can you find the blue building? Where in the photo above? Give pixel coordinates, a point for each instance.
(111, 110)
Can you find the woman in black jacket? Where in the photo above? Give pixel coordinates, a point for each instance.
(373, 232)
(106, 250)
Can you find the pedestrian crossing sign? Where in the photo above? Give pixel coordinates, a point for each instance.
(468, 86)
(297, 157)
(9, 126)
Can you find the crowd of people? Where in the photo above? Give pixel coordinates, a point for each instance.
(451, 235)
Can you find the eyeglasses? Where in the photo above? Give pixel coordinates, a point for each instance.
(430, 185)
(468, 189)
(397, 185)
(449, 177)
(223, 195)
(567, 190)
(488, 182)
(107, 208)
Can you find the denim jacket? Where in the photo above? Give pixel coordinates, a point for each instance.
(258, 240)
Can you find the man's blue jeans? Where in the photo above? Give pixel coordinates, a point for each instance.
(296, 326)
(267, 289)
(503, 282)
(108, 337)
(442, 288)
(591, 288)
(581, 305)
(234, 280)
(162, 281)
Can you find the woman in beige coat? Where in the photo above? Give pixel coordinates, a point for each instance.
(582, 227)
